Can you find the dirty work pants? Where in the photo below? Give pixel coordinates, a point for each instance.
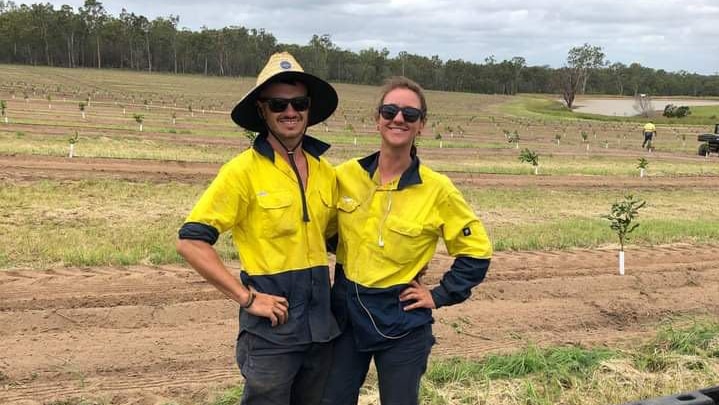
(400, 366)
(282, 375)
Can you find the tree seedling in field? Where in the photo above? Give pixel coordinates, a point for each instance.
(642, 166)
(3, 107)
(81, 106)
(513, 138)
(531, 157)
(250, 135)
(174, 118)
(439, 138)
(557, 137)
(49, 102)
(139, 118)
(621, 220)
(189, 108)
(585, 139)
(73, 140)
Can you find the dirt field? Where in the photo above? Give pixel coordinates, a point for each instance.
(148, 335)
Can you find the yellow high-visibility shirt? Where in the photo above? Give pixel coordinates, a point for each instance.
(257, 197)
(388, 233)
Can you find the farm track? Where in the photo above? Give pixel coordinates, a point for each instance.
(144, 335)
(32, 167)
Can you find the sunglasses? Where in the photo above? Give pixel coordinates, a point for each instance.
(410, 114)
(278, 105)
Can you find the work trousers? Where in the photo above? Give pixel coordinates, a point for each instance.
(400, 365)
(282, 375)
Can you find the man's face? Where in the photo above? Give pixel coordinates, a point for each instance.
(289, 124)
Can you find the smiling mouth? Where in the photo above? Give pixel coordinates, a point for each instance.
(290, 121)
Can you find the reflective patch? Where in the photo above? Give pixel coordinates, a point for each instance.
(466, 231)
(285, 64)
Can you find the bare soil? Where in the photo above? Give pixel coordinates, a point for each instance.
(31, 167)
(151, 335)
(146, 335)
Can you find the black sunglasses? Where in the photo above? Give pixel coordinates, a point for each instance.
(278, 105)
(410, 114)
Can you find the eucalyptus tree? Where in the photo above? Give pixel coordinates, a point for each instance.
(43, 16)
(584, 60)
(94, 16)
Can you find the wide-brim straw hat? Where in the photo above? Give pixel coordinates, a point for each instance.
(282, 67)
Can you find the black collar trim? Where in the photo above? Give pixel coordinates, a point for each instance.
(410, 176)
(311, 145)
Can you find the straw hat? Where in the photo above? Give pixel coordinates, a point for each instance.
(283, 66)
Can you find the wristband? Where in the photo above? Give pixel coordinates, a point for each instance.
(250, 300)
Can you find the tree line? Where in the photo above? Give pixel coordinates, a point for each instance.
(39, 34)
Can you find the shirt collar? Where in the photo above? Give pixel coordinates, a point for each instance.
(410, 176)
(313, 146)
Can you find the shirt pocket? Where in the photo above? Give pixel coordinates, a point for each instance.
(403, 240)
(278, 216)
(347, 205)
(324, 211)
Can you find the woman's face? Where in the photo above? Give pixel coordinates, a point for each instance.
(398, 131)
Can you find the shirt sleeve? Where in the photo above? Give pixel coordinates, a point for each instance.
(467, 241)
(462, 231)
(223, 204)
(456, 284)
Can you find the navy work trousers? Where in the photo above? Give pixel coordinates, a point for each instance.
(282, 375)
(400, 365)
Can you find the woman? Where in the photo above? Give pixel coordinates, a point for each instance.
(391, 212)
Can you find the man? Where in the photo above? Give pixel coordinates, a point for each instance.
(649, 131)
(277, 199)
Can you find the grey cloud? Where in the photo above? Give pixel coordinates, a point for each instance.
(669, 34)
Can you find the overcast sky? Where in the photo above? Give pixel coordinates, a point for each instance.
(663, 34)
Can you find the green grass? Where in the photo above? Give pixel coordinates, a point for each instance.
(699, 338)
(229, 397)
(91, 223)
(558, 362)
(568, 374)
(110, 222)
(118, 147)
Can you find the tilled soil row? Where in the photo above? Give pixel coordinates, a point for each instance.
(136, 335)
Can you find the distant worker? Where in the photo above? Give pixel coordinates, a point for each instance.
(649, 132)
